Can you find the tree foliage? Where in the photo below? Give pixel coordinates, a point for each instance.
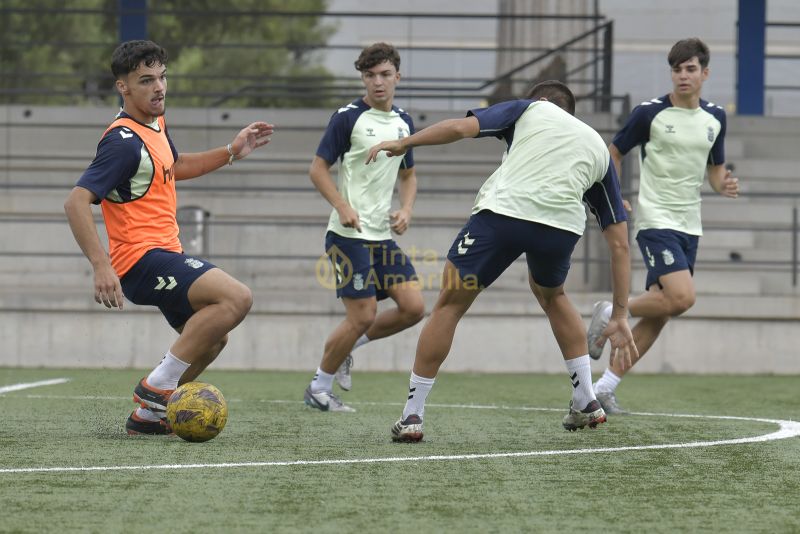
(236, 53)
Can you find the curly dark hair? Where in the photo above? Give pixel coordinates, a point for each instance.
(130, 54)
(686, 49)
(556, 92)
(375, 55)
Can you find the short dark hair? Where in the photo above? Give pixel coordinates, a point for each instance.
(556, 92)
(375, 55)
(686, 49)
(130, 54)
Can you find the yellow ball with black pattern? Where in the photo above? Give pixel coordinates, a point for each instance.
(197, 411)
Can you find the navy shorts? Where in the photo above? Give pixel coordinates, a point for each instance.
(162, 278)
(666, 251)
(490, 242)
(364, 268)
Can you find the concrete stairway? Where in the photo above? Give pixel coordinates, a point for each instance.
(267, 222)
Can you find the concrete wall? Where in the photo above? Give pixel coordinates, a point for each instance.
(502, 333)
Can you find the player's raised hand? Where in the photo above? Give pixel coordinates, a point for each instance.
(730, 185)
(392, 148)
(250, 138)
(620, 337)
(107, 289)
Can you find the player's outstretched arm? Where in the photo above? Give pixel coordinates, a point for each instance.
(441, 133)
(107, 289)
(722, 181)
(196, 164)
(618, 331)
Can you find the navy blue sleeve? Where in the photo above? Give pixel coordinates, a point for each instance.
(605, 200)
(499, 120)
(408, 159)
(336, 140)
(171, 146)
(117, 160)
(636, 130)
(717, 154)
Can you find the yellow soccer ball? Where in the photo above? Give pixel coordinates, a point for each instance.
(197, 411)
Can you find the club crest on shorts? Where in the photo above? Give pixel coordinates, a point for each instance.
(669, 259)
(193, 263)
(358, 281)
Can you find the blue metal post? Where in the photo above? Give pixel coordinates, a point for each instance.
(751, 49)
(132, 20)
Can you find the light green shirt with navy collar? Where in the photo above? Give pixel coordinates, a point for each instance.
(676, 144)
(552, 160)
(352, 131)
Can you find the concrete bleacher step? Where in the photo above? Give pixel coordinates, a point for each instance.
(514, 300)
(48, 151)
(754, 212)
(768, 168)
(728, 239)
(714, 282)
(270, 237)
(303, 203)
(766, 137)
(260, 272)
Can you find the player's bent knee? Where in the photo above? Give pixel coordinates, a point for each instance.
(239, 300)
(548, 297)
(681, 302)
(362, 319)
(363, 322)
(414, 313)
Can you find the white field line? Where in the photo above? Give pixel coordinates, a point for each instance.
(28, 385)
(787, 429)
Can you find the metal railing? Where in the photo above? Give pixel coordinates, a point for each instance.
(588, 260)
(237, 87)
(791, 57)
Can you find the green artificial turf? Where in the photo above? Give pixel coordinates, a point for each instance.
(750, 487)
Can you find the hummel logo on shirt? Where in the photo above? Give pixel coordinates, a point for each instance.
(670, 129)
(348, 106)
(124, 134)
(370, 132)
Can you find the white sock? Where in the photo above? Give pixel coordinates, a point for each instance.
(322, 381)
(580, 372)
(167, 373)
(146, 414)
(363, 340)
(418, 390)
(607, 383)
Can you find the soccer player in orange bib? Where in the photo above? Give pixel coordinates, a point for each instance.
(133, 178)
